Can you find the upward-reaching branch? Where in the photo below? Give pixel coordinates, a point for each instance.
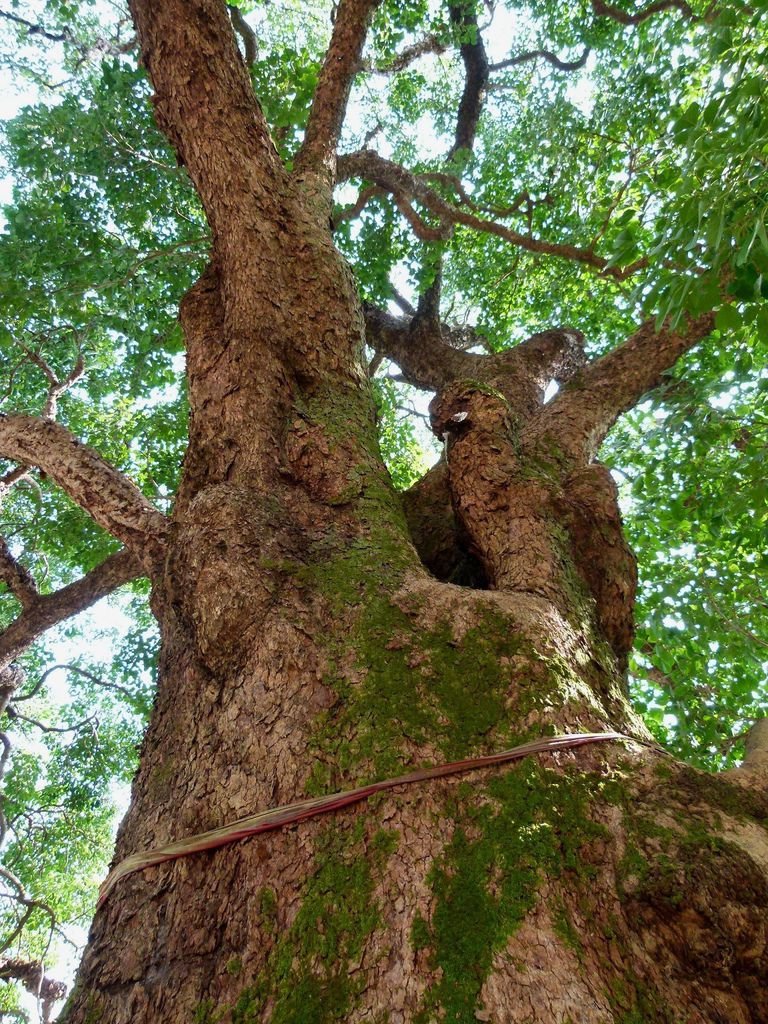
(246, 33)
(475, 60)
(342, 61)
(583, 413)
(109, 497)
(49, 609)
(16, 577)
(56, 385)
(205, 104)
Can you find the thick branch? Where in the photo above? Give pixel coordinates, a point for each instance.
(34, 979)
(475, 61)
(404, 185)
(432, 356)
(556, 354)
(204, 102)
(435, 533)
(16, 577)
(110, 498)
(50, 609)
(756, 746)
(342, 61)
(473, 55)
(583, 413)
(418, 348)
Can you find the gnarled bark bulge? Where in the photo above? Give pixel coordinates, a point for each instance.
(307, 647)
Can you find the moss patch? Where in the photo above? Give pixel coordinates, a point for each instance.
(531, 823)
(420, 685)
(420, 933)
(206, 1013)
(715, 791)
(307, 977)
(564, 928)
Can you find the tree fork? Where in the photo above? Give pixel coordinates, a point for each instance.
(306, 649)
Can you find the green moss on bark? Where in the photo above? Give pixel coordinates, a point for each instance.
(522, 826)
(420, 685)
(308, 978)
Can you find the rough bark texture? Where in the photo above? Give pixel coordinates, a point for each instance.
(307, 648)
(114, 502)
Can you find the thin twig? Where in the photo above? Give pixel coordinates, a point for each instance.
(13, 714)
(79, 671)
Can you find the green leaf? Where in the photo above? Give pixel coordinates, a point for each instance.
(728, 318)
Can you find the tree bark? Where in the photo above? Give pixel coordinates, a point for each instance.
(306, 648)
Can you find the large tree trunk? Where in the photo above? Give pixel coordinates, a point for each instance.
(307, 649)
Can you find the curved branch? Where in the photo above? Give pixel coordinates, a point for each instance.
(552, 58)
(356, 208)
(246, 33)
(584, 411)
(403, 183)
(429, 44)
(50, 609)
(16, 475)
(65, 36)
(342, 60)
(60, 729)
(90, 676)
(426, 232)
(110, 498)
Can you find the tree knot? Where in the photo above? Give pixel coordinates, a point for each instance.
(470, 404)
